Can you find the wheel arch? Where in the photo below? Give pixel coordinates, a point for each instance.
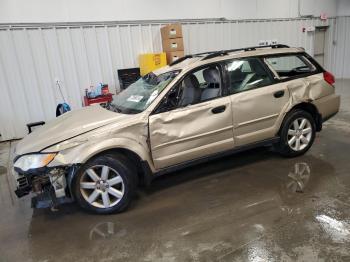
(311, 109)
(136, 153)
(143, 174)
(142, 167)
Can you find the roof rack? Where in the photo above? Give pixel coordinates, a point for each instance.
(212, 54)
(252, 48)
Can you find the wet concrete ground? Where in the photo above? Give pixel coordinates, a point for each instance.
(255, 206)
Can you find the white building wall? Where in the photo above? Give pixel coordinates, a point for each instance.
(341, 44)
(40, 11)
(31, 59)
(343, 8)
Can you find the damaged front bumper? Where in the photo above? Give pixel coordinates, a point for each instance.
(50, 186)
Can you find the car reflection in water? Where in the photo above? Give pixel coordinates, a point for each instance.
(299, 177)
(106, 230)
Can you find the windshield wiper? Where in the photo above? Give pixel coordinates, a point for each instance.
(117, 109)
(114, 108)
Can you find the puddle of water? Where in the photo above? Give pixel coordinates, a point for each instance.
(338, 230)
(3, 170)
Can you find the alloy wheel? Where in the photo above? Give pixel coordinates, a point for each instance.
(102, 186)
(299, 134)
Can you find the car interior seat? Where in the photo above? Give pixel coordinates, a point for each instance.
(261, 76)
(192, 92)
(256, 78)
(236, 78)
(212, 77)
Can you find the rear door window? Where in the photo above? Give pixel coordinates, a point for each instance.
(245, 74)
(288, 66)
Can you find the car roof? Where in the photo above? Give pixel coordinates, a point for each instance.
(192, 61)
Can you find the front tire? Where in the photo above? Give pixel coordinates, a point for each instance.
(105, 184)
(297, 133)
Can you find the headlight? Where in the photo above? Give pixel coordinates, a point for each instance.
(27, 162)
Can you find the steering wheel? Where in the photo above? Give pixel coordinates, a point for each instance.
(173, 98)
(171, 102)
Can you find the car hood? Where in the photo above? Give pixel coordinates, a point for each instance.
(66, 126)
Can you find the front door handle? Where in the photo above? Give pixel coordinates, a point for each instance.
(219, 109)
(278, 94)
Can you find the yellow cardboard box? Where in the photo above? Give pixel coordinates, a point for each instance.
(149, 62)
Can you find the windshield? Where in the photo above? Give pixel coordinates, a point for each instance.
(139, 95)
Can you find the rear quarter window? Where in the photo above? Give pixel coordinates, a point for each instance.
(288, 66)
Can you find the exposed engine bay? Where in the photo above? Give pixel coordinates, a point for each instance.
(49, 188)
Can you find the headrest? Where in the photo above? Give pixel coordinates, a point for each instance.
(257, 67)
(191, 81)
(211, 75)
(237, 75)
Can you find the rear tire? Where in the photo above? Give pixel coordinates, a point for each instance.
(297, 133)
(105, 185)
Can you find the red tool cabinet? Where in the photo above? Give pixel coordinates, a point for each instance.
(98, 100)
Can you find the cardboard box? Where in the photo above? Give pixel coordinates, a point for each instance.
(150, 62)
(171, 31)
(173, 56)
(173, 44)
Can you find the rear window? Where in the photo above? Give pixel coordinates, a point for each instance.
(290, 65)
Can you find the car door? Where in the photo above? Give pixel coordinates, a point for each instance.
(193, 121)
(257, 100)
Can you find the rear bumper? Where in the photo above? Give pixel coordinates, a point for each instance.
(328, 106)
(324, 119)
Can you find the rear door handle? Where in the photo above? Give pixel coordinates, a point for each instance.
(219, 109)
(278, 94)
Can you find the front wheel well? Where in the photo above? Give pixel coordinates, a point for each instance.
(312, 110)
(134, 160)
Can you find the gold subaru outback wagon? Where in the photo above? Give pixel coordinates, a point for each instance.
(200, 107)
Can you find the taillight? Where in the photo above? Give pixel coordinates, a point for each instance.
(329, 78)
